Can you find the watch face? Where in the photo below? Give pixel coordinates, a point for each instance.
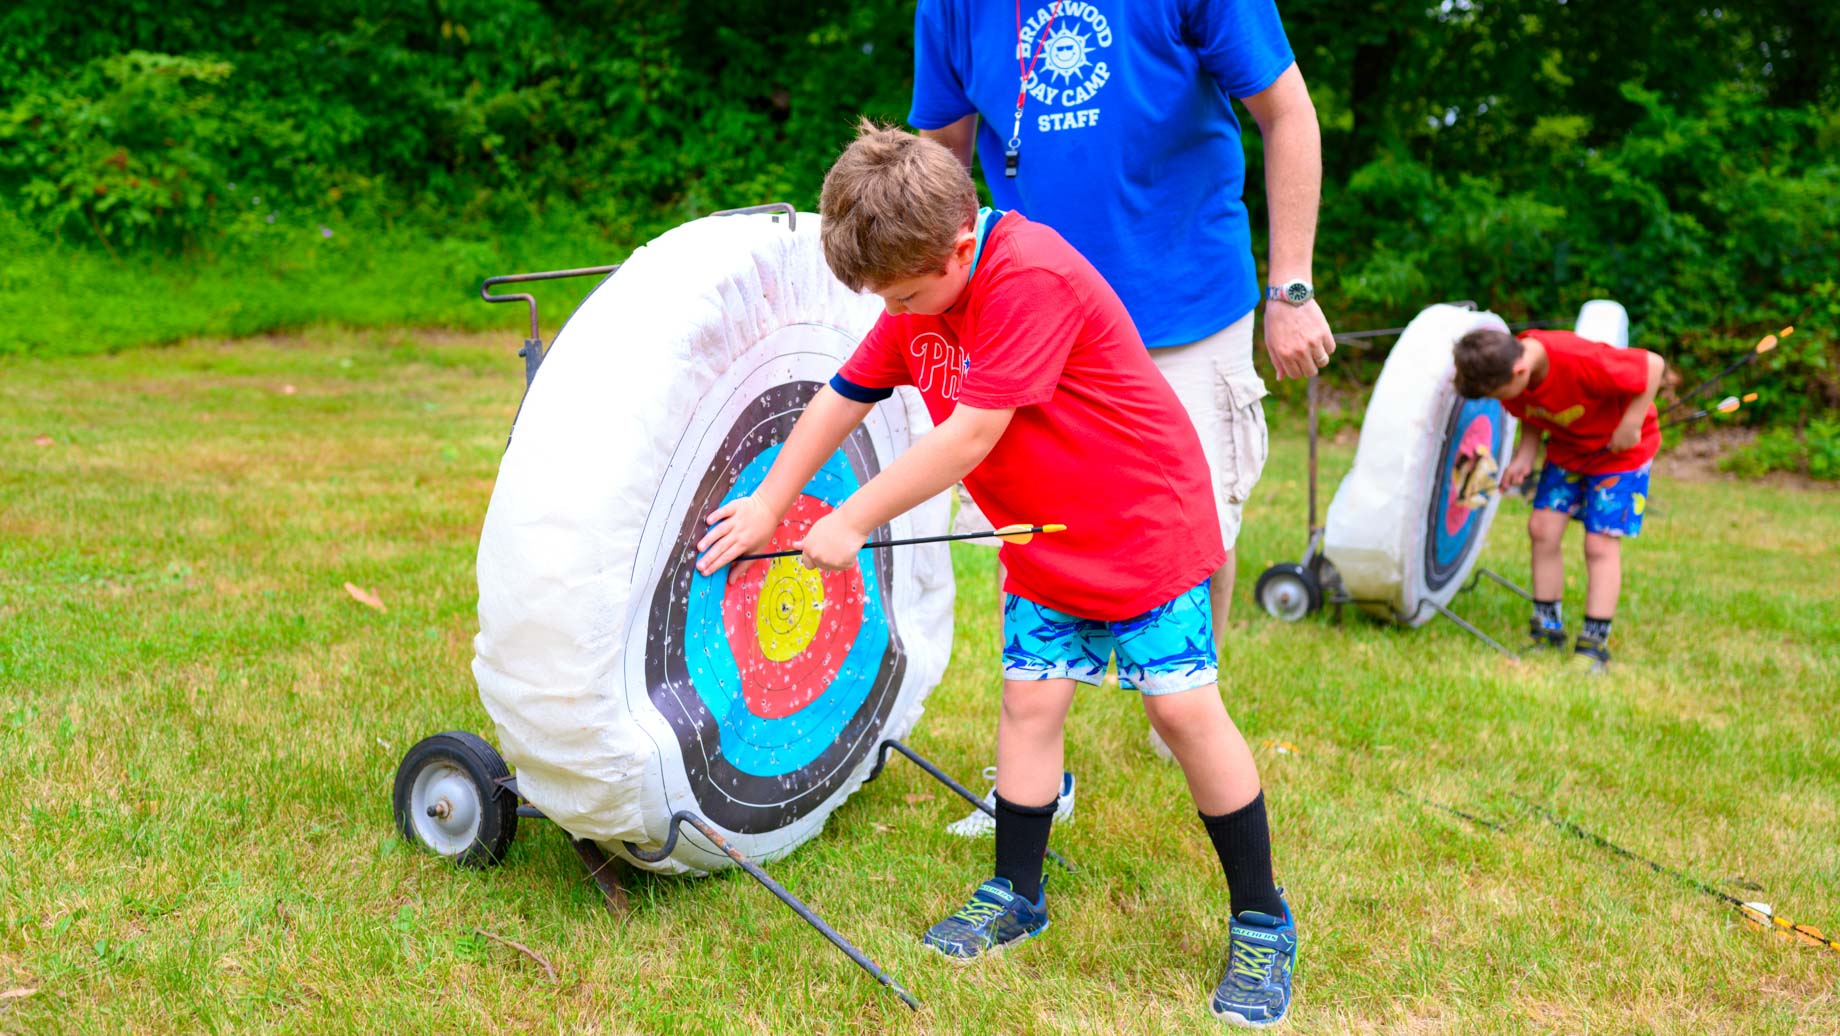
(1297, 293)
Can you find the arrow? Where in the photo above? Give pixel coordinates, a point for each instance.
(1729, 404)
(1767, 343)
(1017, 534)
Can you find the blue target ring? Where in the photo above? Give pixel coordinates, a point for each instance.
(772, 747)
(1452, 531)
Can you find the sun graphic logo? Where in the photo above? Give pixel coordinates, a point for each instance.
(1065, 54)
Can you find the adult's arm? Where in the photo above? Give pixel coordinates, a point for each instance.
(959, 137)
(1298, 337)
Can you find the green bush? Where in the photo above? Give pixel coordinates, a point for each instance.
(1813, 451)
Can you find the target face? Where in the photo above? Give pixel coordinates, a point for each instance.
(1475, 434)
(775, 683)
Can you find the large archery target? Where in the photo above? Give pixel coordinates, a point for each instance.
(1400, 532)
(625, 685)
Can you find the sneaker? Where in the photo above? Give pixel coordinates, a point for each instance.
(1161, 747)
(993, 918)
(1261, 950)
(979, 823)
(1590, 655)
(1545, 636)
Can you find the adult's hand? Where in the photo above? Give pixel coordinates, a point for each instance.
(1298, 339)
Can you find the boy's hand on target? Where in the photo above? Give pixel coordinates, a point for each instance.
(831, 543)
(1517, 471)
(741, 526)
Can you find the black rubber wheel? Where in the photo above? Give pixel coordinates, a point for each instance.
(1288, 592)
(448, 800)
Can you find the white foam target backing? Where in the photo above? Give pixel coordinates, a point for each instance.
(626, 687)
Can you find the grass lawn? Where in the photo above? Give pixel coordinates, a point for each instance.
(199, 727)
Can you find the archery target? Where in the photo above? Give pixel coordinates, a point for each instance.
(625, 685)
(1408, 521)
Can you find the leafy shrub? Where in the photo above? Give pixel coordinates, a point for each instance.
(1814, 451)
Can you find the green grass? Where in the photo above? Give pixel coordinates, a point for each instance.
(198, 731)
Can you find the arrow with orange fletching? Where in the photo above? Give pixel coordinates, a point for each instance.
(1767, 343)
(1728, 405)
(1017, 534)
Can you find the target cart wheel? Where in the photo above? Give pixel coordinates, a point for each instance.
(1288, 591)
(449, 800)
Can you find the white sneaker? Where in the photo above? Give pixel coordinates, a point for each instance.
(979, 823)
(1161, 747)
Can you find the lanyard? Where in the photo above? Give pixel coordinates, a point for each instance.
(1012, 155)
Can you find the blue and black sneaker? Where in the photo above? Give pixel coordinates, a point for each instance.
(1261, 950)
(994, 918)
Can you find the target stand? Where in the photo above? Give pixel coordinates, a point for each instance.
(1413, 516)
(667, 720)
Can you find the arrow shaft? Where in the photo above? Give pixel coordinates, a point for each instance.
(882, 544)
(1714, 380)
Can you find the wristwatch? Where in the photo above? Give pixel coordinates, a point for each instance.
(1294, 292)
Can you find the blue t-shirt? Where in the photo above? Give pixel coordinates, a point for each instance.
(1129, 146)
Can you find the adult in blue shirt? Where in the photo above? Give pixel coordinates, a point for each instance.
(1126, 142)
(1112, 121)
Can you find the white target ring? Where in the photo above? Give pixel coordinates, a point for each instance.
(625, 686)
(1410, 519)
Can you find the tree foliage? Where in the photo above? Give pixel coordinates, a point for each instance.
(1526, 153)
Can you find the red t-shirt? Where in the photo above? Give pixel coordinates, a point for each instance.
(1098, 441)
(1588, 386)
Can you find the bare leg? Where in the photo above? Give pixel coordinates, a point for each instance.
(1031, 750)
(1222, 775)
(1547, 531)
(1603, 565)
(1221, 597)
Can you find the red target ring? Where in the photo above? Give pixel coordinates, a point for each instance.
(790, 628)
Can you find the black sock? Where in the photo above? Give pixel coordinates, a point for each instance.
(1022, 843)
(1597, 629)
(1550, 614)
(1242, 840)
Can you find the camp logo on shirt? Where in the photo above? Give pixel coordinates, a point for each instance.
(941, 362)
(1069, 71)
(1563, 418)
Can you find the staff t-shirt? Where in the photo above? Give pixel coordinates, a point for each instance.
(1588, 386)
(1098, 441)
(1129, 145)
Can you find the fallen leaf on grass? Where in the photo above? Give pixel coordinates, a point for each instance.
(880, 829)
(43, 440)
(18, 994)
(915, 800)
(288, 390)
(365, 597)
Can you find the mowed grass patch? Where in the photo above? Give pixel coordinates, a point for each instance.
(199, 727)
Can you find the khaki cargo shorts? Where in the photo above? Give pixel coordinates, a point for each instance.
(1222, 392)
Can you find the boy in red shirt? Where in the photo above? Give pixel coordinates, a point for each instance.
(1595, 404)
(1048, 407)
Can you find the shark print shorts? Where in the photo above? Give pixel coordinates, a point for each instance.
(1166, 650)
(1609, 504)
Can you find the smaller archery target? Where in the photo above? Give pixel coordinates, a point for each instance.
(1474, 437)
(1408, 521)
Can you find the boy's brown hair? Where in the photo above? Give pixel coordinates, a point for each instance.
(893, 204)
(1485, 361)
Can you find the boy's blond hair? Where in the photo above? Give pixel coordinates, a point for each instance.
(893, 204)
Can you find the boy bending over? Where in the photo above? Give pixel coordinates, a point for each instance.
(1048, 408)
(1595, 405)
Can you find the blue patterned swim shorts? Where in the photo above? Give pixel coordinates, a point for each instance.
(1166, 650)
(1609, 504)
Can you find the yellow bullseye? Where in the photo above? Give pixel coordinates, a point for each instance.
(791, 602)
